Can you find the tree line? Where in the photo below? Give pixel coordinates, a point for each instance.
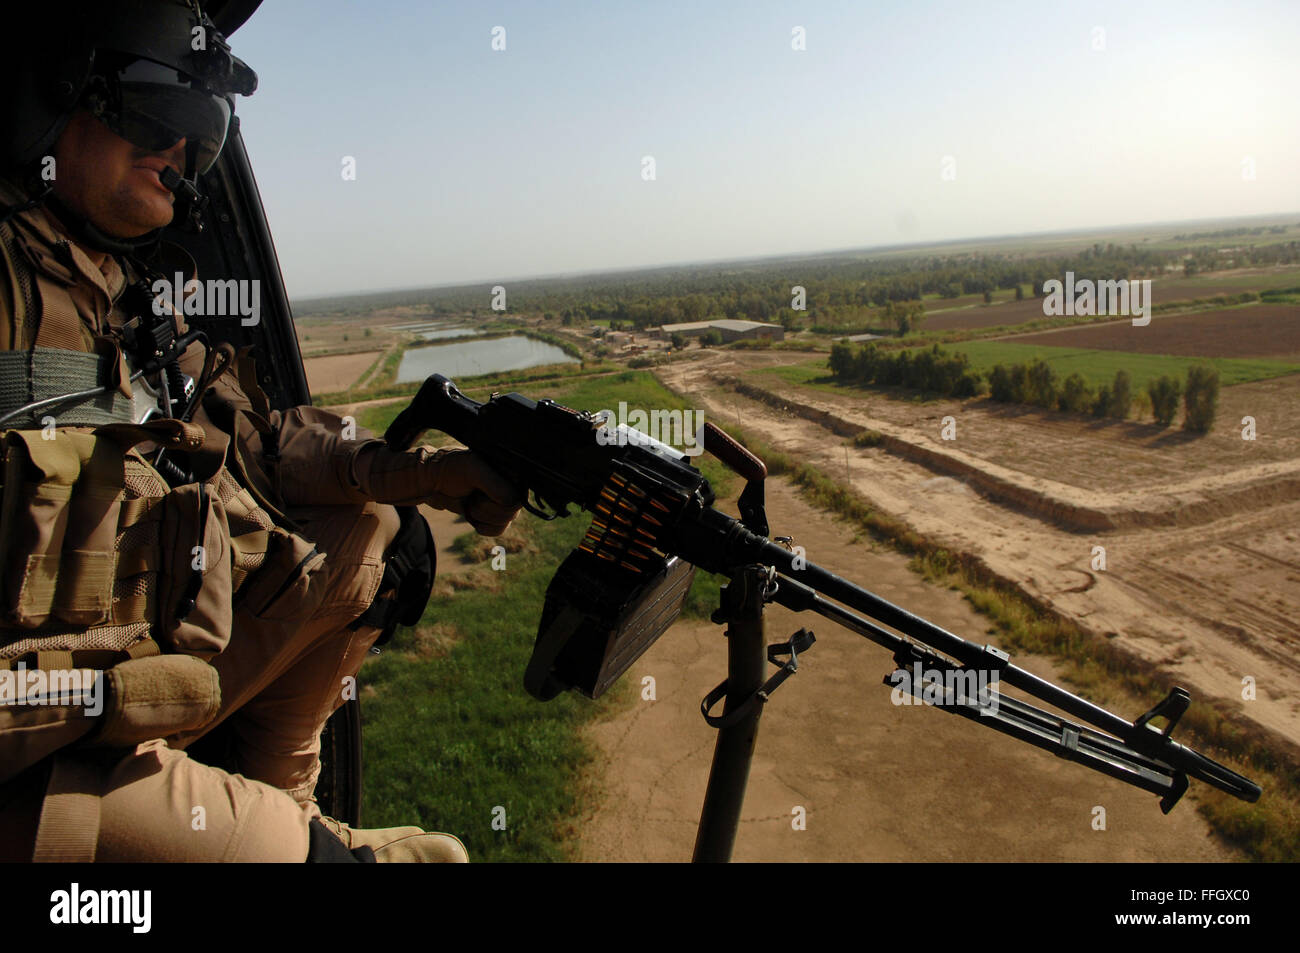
(1035, 384)
(839, 290)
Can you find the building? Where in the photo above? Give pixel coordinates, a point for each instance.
(729, 329)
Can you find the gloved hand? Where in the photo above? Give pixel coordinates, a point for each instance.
(319, 465)
(463, 483)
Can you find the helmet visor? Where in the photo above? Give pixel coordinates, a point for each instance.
(157, 106)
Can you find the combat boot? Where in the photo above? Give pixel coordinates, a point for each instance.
(400, 844)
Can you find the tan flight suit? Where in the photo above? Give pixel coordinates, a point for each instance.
(285, 668)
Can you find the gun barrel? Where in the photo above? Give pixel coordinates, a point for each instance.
(1141, 756)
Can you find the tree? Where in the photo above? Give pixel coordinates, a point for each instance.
(712, 338)
(1020, 293)
(905, 315)
(1040, 384)
(842, 360)
(1164, 394)
(1201, 398)
(1075, 395)
(1101, 406)
(1000, 384)
(988, 297)
(678, 341)
(1121, 396)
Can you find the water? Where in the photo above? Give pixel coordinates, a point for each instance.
(467, 358)
(449, 333)
(440, 329)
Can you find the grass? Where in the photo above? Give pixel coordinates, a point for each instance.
(450, 733)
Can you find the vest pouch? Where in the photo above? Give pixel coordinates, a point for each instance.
(290, 583)
(62, 495)
(194, 583)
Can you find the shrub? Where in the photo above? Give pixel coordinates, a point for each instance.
(842, 361)
(1000, 384)
(1075, 396)
(1101, 406)
(1121, 396)
(1040, 384)
(1201, 398)
(968, 385)
(1164, 394)
(1019, 383)
(867, 364)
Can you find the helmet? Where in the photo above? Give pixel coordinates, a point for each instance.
(154, 71)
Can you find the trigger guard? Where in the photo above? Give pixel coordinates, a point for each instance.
(536, 511)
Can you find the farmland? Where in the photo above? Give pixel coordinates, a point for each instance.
(968, 312)
(1254, 331)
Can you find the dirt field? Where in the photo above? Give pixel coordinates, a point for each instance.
(985, 316)
(1163, 291)
(1203, 576)
(1263, 330)
(338, 371)
(878, 782)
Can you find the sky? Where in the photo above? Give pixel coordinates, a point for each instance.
(896, 122)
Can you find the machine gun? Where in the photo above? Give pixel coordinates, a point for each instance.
(653, 521)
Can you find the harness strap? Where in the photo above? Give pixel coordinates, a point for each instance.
(45, 373)
(24, 301)
(70, 818)
(60, 321)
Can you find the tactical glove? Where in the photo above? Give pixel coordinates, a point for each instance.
(321, 461)
(455, 480)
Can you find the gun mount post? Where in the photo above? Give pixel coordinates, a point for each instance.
(742, 610)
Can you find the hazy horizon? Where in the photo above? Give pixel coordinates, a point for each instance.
(795, 256)
(912, 125)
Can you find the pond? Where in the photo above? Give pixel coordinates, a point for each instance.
(448, 333)
(431, 331)
(467, 358)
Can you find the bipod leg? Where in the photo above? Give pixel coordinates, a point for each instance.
(742, 610)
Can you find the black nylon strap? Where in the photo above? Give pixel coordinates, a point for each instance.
(801, 641)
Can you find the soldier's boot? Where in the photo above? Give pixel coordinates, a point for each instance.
(401, 844)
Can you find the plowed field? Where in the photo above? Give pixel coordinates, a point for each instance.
(1265, 330)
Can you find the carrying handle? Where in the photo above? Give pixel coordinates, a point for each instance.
(753, 509)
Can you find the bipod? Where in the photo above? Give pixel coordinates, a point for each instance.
(745, 693)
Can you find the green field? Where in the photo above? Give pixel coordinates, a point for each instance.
(451, 735)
